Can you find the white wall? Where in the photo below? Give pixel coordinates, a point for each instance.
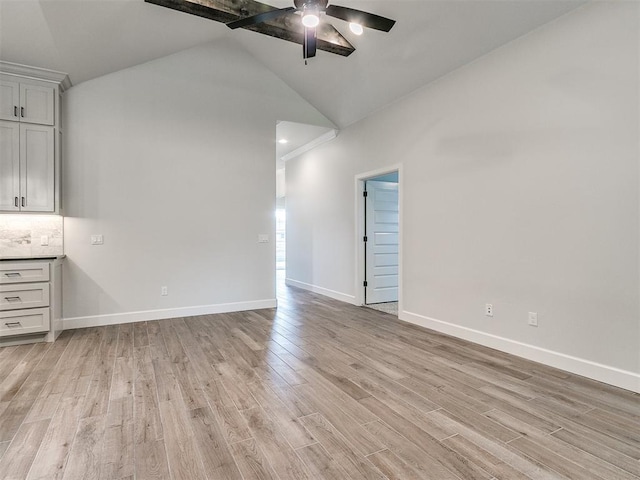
(521, 189)
(173, 161)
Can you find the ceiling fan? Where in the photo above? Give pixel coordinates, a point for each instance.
(310, 11)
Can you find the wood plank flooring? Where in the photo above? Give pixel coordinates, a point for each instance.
(316, 389)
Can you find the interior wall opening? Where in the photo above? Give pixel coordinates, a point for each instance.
(292, 140)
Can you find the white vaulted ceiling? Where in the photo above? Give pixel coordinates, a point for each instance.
(91, 38)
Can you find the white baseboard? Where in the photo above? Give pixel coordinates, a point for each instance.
(343, 297)
(586, 368)
(132, 317)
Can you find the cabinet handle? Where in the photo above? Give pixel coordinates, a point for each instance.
(22, 112)
(15, 111)
(12, 299)
(13, 324)
(12, 274)
(24, 204)
(15, 201)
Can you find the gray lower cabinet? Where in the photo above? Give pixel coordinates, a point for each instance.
(30, 301)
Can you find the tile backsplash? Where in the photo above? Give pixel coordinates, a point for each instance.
(21, 235)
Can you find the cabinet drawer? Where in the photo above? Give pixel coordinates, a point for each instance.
(24, 272)
(23, 322)
(24, 295)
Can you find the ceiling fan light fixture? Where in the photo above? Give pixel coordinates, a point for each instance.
(326, 38)
(310, 18)
(356, 28)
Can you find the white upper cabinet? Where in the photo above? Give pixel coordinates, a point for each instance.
(30, 138)
(9, 166)
(37, 174)
(36, 104)
(27, 167)
(24, 102)
(9, 100)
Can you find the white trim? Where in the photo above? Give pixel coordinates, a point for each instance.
(359, 227)
(36, 73)
(324, 138)
(343, 297)
(143, 316)
(586, 368)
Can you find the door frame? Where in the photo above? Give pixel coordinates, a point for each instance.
(360, 179)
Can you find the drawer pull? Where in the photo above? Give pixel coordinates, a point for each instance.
(12, 299)
(13, 324)
(12, 274)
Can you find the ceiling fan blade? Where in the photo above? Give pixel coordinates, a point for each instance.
(331, 40)
(260, 18)
(365, 19)
(309, 45)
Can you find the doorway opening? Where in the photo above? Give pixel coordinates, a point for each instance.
(378, 220)
(281, 245)
(281, 240)
(292, 139)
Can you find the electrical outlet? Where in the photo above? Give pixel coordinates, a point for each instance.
(164, 291)
(263, 238)
(533, 319)
(44, 240)
(488, 310)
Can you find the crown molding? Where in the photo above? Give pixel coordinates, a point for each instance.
(324, 138)
(36, 73)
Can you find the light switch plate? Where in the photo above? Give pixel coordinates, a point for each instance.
(44, 240)
(97, 239)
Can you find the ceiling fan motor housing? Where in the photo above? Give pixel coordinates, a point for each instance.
(319, 5)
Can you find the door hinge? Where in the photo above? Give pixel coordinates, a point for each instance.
(365, 238)
(365, 194)
(365, 283)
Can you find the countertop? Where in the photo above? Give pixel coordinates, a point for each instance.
(34, 257)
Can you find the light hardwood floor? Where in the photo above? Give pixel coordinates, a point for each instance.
(317, 389)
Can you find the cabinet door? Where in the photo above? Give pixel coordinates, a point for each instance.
(36, 104)
(9, 165)
(9, 100)
(37, 175)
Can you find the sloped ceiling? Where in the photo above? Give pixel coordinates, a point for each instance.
(91, 38)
